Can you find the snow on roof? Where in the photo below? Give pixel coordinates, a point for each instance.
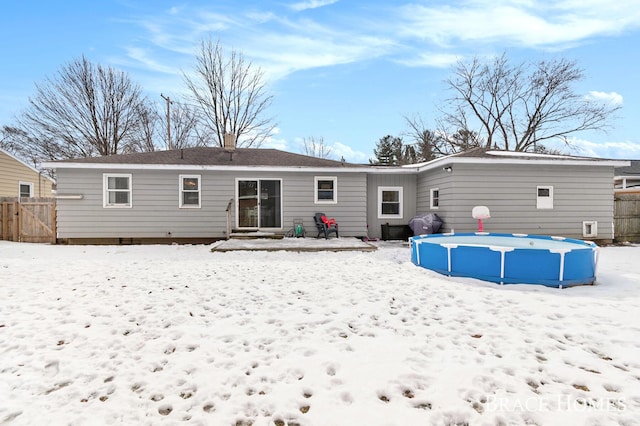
(528, 155)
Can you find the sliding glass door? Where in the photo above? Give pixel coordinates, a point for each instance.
(259, 203)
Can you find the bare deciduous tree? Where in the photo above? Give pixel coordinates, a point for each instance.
(13, 140)
(149, 120)
(231, 95)
(84, 110)
(512, 108)
(17, 142)
(428, 144)
(315, 147)
(8, 138)
(184, 127)
(461, 140)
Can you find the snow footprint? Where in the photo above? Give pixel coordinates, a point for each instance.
(331, 370)
(165, 409)
(52, 368)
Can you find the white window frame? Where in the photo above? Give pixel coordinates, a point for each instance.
(316, 179)
(590, 229)
(544, 203)
(106, 190)
(397, 189)
(182, 190)
(29, 184)
(432, 198)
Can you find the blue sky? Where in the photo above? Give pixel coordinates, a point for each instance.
(347, 71)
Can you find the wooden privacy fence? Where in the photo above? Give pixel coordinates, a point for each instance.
(627, 216)
(29, 220)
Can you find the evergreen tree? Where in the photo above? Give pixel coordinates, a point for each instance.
(388, 151)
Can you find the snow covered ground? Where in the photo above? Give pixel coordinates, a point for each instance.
(180, 335)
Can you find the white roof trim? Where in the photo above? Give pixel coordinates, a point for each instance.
(192, 167)
(402, 170)
(408, 169)
(439, 162)
(526, 154)
(627, 177)
(33, 169)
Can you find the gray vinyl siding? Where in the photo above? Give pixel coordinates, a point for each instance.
(448, 199)
(350, 211)
(510, 192)
(155, 211)
(408, 184)
(581, 193)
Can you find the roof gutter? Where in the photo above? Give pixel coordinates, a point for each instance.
(440, 162)
(408, 169)
(127, 166)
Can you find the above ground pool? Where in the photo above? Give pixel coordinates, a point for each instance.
(508, 258)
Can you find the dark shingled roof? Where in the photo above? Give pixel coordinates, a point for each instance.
(207, 156)
(632, 170)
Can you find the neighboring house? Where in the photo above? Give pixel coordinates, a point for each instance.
(628, 177)
(18, 179)
(184, 194)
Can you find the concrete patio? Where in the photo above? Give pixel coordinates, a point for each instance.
(293, 244)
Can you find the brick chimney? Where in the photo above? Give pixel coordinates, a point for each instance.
(229, 142)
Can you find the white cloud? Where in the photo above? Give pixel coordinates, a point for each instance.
(261, 17)
(282, 43)
(534, 23)
(311, 4)
(279, 45)
(612, 149)
(311, 46)
(273, 142)
(142, 57)
(437, 60)
(610, 98)
(339, 150)
(209, 22)
(180, 30)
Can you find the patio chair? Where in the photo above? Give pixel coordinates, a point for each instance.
(325, 225)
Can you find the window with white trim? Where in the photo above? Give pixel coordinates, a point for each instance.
(25, 189)
(325, 190)
(190, 191)
(434, 198)
(544, 197)
(389, 202)
(117, 190)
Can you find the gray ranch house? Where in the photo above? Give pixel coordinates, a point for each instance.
(203, 194)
